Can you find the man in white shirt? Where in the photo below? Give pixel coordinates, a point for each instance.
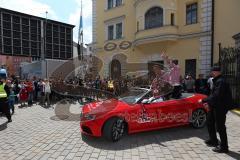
(47, 92)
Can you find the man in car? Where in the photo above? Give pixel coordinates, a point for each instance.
(159, 86)
(218, 103)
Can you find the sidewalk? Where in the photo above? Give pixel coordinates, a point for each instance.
(36, 134)
(236, 111)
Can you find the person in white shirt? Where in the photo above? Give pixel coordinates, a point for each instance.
(210, 83)
(47, 92)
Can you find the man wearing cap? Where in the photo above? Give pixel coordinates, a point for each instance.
(4, 94)
(218, 103)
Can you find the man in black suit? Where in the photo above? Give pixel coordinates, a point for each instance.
(218, 102)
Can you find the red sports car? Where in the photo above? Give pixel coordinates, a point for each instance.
(138, 111)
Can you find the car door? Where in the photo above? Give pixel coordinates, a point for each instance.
(148, 119)
(132, 116)
(173, 112)
(142, 117)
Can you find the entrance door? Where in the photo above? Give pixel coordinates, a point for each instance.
(115, 69)
(190, 67)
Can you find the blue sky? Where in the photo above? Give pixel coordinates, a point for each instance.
(67, 11)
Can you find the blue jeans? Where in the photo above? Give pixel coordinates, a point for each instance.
(11, 105)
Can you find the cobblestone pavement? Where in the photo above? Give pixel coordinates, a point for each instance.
(34, 134)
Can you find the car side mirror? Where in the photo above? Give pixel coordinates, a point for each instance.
(145, 101)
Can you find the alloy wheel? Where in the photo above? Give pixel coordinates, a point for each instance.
(118, 130)
(199, 118)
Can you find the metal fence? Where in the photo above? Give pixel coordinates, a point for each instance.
(62, 90)
(230, 64)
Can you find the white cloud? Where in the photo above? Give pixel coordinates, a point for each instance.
(32, 7)
(74, 19)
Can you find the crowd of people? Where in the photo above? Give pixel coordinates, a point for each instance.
(26, 92)
(202, 85)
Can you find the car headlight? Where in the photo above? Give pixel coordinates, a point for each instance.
(89, 117)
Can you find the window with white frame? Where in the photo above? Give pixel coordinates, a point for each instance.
(110, 32)
(118, 30)
(115, 31)
(118, 3)
(191, 13)
(114, 3)
(154, 18)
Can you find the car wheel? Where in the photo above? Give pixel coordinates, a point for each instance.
(114, 129)
(199, 118)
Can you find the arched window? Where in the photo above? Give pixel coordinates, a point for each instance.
(154, 18)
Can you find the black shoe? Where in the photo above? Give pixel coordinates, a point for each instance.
(219, 149)
(9, 120)
(211, 143)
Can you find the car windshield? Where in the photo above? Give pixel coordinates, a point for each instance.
(133, 95)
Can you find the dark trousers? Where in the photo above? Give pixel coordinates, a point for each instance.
(4, 108)
(216, 123)
(177, 92)
(35, 96)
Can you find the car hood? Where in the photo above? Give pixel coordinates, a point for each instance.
(102, 107)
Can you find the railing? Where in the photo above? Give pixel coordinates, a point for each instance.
(230, 64)
(77, 92)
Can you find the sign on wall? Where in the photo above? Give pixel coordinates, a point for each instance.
(124, 45)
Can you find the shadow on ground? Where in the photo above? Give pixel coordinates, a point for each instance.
(159, 137)
(234, 155)
(141, 139)
(3, 126)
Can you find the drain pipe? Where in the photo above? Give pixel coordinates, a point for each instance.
(213, 31)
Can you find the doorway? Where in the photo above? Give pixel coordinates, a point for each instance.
(115, 69)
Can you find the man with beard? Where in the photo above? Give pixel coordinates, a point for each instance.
(218, 103)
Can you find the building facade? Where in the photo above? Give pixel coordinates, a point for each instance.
(130, 34)
(31, 36)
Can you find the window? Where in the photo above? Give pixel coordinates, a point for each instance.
(113, 3)
(118, 3)
(118, 30)
(115, 31)
(110, 4)
(172, 19)
(191, 13)
(154, 18)
(110, 32)
(137, 26)
(190, 67)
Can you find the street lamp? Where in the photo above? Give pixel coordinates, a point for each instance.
(45, 44)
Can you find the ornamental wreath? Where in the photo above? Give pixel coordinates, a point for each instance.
(110, 46)
(125, 45)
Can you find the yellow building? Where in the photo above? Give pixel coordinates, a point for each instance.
(129, 34)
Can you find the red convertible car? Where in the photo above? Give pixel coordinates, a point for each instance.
(137, 111)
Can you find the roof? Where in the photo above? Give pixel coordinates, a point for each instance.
(237, 36)
(34, 17)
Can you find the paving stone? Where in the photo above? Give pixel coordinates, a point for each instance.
(33, 135)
